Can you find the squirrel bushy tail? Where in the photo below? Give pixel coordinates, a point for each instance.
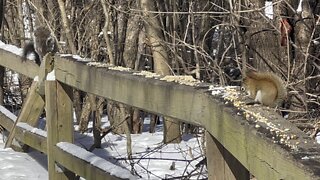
(268, 76)
(276, 80)
(29, 49)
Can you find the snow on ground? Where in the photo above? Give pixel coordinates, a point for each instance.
(151, 159)
(22, 166)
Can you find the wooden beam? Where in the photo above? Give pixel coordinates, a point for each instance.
(197, 106)
(86, 164)
(7, 118)
(221, 164)
(30, 113)
(45, 68)
(59, 123)
(23, 134)
(34, 105)
(14, 62)
(27, 134)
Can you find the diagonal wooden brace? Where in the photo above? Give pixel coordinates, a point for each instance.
(34, 104)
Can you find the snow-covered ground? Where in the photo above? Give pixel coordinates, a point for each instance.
(151, 158)
(22, 166)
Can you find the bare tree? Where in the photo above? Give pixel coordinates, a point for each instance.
(161, 64)
(2, 69)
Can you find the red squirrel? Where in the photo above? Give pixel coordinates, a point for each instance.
(265, 88)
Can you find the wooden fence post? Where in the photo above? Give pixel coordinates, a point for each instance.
(59, 123)
(221, 164)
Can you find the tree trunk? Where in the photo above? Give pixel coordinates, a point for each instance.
(2, 72)
(120, 115)
(137, 121)
(263, 40)
(25, 81)
(153, 123)
(129, 59)
(66, 27)
(91, 108)
(72, 48)
(121, 29)
(303, 34)
(85, 114)
(160, 60)
(96, 119)
(106, 30)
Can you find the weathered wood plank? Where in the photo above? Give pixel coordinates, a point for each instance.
(45, 68)
(14, 62)
(257, 152)
(30, 113)
(59, 118)
(26, 134)
(221, 164)
(86, 164)
(7, 118)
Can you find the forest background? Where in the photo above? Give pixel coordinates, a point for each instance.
(210, 40)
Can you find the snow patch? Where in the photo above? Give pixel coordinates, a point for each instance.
(34, 130)
(36, 78)
(95, 160)
(11, 48)
(318, 137)
(268, 11)
(16, 165)
(76, 57)
(186, 80)
(7, 113)
(299, 9)
(51, 76)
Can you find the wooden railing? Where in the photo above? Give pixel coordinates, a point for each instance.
(239, 139)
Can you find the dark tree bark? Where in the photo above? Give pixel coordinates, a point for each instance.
(2, 69)
(263, 39)
(303, 32)
(125, 33)
(130, 52)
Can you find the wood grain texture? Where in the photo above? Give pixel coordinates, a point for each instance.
(14, 62)
(59, 118)
(257, 152)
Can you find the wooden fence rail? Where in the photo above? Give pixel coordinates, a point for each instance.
(241, 139)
